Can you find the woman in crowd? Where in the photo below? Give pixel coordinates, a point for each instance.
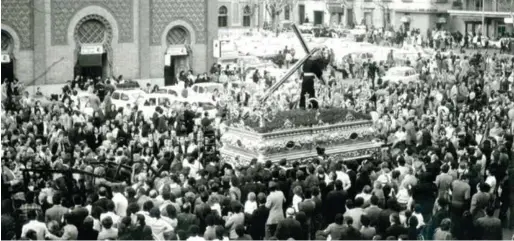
(432, 125)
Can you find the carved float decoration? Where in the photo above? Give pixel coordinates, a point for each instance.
(343, 136)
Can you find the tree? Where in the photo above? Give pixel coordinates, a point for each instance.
(275, 8)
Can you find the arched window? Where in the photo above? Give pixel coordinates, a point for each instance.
(91, 32)
(287, 13)
(178, 35)
(247, 14)
(7, 42)
(222, 16)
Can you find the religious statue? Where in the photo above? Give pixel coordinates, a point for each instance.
(312, 69)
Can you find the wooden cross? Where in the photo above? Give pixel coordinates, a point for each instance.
(293, 68)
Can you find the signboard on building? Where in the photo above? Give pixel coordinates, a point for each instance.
(6, 58)
(216, 49)
(176, 51)
(91, 49)
(420, 10)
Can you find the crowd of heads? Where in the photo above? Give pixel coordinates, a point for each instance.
(446, 165)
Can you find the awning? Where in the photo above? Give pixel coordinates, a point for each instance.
(487, 14)
(335, 8)
(178, 50)
(90, 60)
(6, 58)
(405, 19)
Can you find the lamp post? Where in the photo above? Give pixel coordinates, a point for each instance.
(483, 18)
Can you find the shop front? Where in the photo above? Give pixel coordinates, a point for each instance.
(336, 11)
(92, 62)
(490, 24)
(176, 59)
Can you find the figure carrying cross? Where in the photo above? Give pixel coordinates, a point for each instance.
(312, 64)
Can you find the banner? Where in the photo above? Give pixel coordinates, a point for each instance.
(216, 49)
(177, 51)
(6, 58)
(91, 49)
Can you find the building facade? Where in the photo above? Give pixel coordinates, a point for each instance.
(51, 41)
(485, 17)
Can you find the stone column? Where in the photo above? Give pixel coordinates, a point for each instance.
(144, 39)
(39, 65)
(211, 31)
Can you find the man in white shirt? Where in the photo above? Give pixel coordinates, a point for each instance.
(343, 176)
(110, 213)
(159, 226)
(35, 225)
(120, 201)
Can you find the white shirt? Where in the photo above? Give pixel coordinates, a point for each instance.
(250, 206)
(344, 178)
(37, 226)
(120, 204)
(159, 227)
(195, 238)
(115, 218)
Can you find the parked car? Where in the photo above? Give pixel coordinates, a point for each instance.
(122, 98)
(403, 75)
(149, 102)
(498, 43)
(206, 89)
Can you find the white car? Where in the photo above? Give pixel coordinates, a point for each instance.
(206, 89)
(149, 102)
(173, 90)
(202, 105)
(401, 75)
(122, 98)
(358, 30)
(497, 43)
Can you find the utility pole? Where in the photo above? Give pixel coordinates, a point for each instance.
(483, 19)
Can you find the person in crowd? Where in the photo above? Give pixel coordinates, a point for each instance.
(70, 231)
(289, 227)
(489, 227)
(35, 225)
(122, 172)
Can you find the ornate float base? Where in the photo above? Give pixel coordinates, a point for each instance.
(345, 141)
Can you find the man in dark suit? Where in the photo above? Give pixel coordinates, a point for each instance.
(489, 227)
(243, 97)
(335, 202)
(289, 227)
(57, 211)
(396, 229)
(102, 199)
(80, 213)
(259, 218)
(373, 211)
(384, 218)
(308, 206)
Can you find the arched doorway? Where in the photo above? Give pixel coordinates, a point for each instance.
(93, 35)
(7, 59)
(177, 54)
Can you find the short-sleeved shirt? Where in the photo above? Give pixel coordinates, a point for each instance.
(336, 231)
(460, 191)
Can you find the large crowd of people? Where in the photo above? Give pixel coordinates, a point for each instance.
(446, 170)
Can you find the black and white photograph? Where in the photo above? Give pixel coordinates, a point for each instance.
(220, 120)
